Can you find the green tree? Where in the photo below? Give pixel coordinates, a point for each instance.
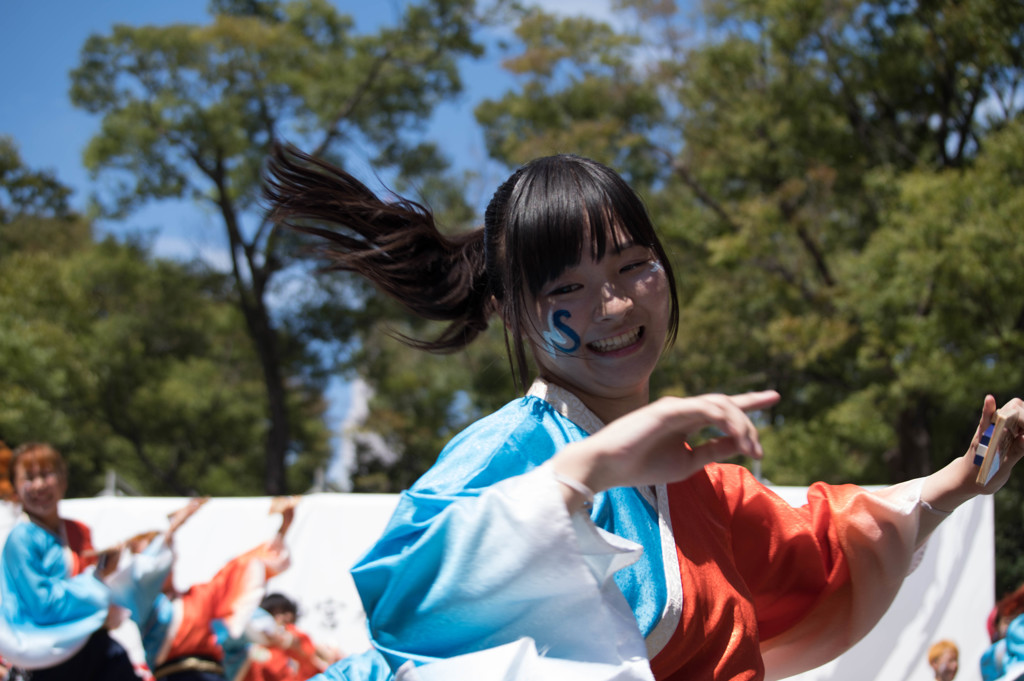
(25, 192)
(834, 181)
(191, 111)
(141, 366)
(34, 211)
(419, 401)
(946, 321)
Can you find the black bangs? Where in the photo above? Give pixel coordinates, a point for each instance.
(561, 203)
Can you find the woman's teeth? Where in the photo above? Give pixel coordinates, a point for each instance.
(616, 342)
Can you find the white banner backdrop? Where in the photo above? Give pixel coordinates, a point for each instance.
(948, 596)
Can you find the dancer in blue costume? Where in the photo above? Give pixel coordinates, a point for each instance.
(1004, 659)
(502, 556)
(54, 608)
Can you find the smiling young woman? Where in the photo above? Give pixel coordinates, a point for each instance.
(577, 518)
(54, 609)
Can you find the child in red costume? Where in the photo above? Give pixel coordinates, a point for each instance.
(290, 654)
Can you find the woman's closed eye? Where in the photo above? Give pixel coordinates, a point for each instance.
(564, 289)
(646, 262)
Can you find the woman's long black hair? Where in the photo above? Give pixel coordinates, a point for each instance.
(535, 227)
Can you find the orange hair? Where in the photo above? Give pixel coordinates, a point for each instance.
(41, 451)
(939, 649)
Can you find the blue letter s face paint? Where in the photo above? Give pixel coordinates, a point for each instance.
(560, 337)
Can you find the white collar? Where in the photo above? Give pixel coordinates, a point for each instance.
(567, 404)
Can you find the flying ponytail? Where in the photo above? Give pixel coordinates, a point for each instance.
(394, 244)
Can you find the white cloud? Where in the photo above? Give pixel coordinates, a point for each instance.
(351, 435)
(172, 246)
(596, 9)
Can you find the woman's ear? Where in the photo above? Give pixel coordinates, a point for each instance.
(496, 308)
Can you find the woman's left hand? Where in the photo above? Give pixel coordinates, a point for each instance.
(957, 482)
(1012, 449)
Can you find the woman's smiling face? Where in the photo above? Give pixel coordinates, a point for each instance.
(40, 485)
(599, 327)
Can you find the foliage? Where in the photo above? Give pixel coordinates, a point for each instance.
(420, 401)
(191, 111)
(136, 365)
(25, 192)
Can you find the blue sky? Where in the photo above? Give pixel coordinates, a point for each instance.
(40, 42)
(39, 46)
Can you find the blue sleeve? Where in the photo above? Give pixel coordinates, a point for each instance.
(46, 616)
(992, 661)
(1014, 642)
(412, 580)
(139, 579)
(367, 666)
(482, 552)
(37, 573)
(497, 568)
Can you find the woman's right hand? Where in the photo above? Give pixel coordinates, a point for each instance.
(649, 446)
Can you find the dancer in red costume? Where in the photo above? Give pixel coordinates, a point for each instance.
(178, 629)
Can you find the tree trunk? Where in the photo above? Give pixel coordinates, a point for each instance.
(279, 433)
(912, 458)
(251, 298)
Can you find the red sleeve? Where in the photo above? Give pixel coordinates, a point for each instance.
(751, 567)
(232, 595)
(790, 558)
(821, 575)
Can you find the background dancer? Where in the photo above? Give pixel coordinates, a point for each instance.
(177, 628)
(55, 609)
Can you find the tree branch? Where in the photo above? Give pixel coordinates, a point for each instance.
(346, 109)
(684, 174)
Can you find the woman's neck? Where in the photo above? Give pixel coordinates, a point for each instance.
(51, 524)
(610, 409)
(607, 409)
